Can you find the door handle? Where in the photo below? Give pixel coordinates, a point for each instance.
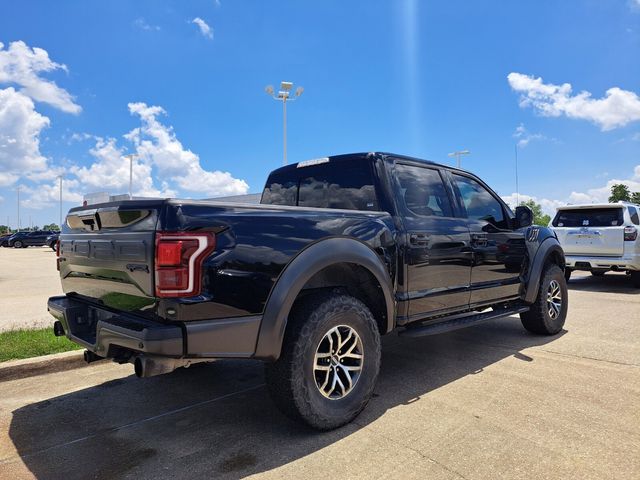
(479, 239)
(419, 239)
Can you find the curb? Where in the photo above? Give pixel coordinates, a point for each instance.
(31, 367)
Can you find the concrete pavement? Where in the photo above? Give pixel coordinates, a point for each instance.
(487, 402)
(28, 276)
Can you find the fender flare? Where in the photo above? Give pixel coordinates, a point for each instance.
(296, 274)
(546, 249)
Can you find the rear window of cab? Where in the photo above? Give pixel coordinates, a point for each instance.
(345, 185)
(589, 217)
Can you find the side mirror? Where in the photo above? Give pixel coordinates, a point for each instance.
(524, 216)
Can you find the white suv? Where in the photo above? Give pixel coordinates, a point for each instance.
(599, 238)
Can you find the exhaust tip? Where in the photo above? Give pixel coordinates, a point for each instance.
(138, 367)
(58, 329)
(91, 357)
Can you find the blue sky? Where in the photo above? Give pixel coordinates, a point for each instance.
(182, 85)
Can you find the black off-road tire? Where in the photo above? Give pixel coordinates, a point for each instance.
(635, 279)
(291, 380)
(567, 274)
(537, 319)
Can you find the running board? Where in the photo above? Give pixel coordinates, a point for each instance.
(460, 322)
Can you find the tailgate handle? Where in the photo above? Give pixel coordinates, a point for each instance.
(90, 222)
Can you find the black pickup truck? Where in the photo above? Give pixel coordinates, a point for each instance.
(340, 251)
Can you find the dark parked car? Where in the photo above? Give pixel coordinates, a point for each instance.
(341, 251)
(35, 238)
(4, 240)
(52, 240)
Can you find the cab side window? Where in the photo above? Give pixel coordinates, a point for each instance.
(633, 213)
(423, 192)
(479, 203)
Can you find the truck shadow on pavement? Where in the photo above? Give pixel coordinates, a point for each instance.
(609, 283)
(217, 421)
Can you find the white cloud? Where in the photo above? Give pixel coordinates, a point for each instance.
(7, 179)
(205, 29)
(524, 136)
(592, 195)
(601, 194)
(20, 127)
(46, 194)
(157, 144)
(22, 65)
(548, 205)
(142, 24)
(110, 172)
(616, 109)
(160, 154)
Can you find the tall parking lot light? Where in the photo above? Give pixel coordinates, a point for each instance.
(131, 156)
(18, 192)
(284, 96)
(60, 224)
(457, 154)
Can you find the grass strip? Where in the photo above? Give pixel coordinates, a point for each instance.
(18, 344)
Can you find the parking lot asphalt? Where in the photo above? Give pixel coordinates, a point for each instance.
(491, 401)
(28, 276)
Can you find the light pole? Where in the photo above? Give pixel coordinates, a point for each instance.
(284, 96)
(457, 154)
(18, 190)
(131, 156)
(60, 224)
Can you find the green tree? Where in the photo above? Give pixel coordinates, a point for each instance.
(619, 192)
(635, 197)
(4, 230)
(52, 226)
(539, 217)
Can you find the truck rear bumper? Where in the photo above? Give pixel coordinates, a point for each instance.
(104, 332)
(111, 334)
(584, 262)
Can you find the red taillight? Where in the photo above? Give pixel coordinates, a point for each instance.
(169, 253)
(178, 265)
(630, 234)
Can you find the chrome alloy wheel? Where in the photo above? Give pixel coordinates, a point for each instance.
(338, 362)
(554, 299)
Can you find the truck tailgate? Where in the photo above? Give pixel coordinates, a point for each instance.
(605, 242)
(106, 256)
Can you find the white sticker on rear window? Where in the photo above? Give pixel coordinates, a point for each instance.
(585, 223)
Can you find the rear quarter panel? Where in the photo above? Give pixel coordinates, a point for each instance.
(255, 243)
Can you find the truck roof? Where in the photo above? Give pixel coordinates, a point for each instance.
(596, 205)
(353, 156)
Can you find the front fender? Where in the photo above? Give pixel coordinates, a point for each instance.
(547, 247)
(309, 262)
